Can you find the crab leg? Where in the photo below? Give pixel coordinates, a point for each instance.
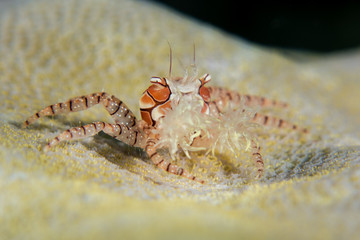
(225, 97)
(116, 108)
(125, 129)
(276, 122)
(160, 162)
(256, 156)
(118, 131)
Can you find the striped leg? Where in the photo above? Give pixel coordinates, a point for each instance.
(223, 98)
(276, 122)
(116, 130)
(256, 156)
(159, 161)
(125, 129)
(116, 108)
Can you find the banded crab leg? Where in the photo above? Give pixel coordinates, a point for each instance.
(271, 121)
(125, 129)
(160, 162)
(117, 131)
(225, 97)
(76, 104)
(257, 158)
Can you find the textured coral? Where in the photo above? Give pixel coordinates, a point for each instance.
(53, 50)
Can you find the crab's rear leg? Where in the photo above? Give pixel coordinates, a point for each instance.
(130, 136)
(72, 105)
(257, 158)
(271, 121)
(224, 98)
(116, 108)
(162, 163)
(125, 129)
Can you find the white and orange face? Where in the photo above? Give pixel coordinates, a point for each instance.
(164, 93)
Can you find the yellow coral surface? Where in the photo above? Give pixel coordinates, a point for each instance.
(98, 188)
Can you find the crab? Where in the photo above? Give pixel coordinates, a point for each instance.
(164, 95)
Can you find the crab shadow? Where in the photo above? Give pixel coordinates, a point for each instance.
(102, 143)
(111, 149)
(114, 148)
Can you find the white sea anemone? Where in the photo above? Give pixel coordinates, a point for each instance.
(185, 122)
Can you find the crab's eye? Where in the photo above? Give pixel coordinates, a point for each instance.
(158, 80)
(206, 78)
(155, 80)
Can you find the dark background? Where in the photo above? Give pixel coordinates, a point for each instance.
(323, 28)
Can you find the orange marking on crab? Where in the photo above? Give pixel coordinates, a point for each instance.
(205, 109)
(160, 111)
(159, 93)
(204, 93)
(146, 101)
(146, 116)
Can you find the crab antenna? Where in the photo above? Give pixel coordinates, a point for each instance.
(170, 60)
(193, 67)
